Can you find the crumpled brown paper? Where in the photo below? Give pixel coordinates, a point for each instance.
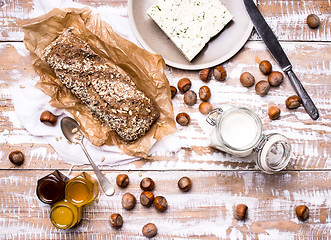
(145, 69)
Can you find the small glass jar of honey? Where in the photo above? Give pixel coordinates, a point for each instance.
(65, 215)
(50, 188)
(81, 190)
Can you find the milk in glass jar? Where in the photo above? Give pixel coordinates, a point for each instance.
(238, 131)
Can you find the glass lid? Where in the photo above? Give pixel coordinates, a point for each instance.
(273, 153)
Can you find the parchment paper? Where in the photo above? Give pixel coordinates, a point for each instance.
(145, 69)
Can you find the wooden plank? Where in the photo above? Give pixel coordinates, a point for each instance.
(205, 212)
(286, 18)
(310, 139)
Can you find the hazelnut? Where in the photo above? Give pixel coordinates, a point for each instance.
(147, 184)
(302, 212)
(16, 157)
(205, 74)
(122, 180)
(241, 211)
(184, 184)
(274, 112)
(275, 78)
(262, 88)
(293, 102)
(265, 67)
(190, 98)
(146, 198)
(313, 20)
(128, 201)
(205, 107)
(183, 119)
(204, 93)
(116, 220)
(160, 203)
(247, 79)
(48, 118)
(184, 85)
(149, 230)
(173, 91)
(219, 73)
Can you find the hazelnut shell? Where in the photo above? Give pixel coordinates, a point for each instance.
(149, 230)
(302, 212)
(16, 157)
(190, 98)
(48, 118)
(184, 85)
(146, 198)
(122, 180)
(183, 119)
(247, 79)
(205, 107)
(205, 74)
(204, 93)
(173, 91)
(219, 73)
(265, 67)
(128, 201)
(262, 88)
(184, 184)
(241, 211)
(116, 220)
(160, 203)
(275, 78)
(147, 184)
(274, 112)
(293, 102)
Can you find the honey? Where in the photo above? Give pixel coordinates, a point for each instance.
(50, 188)
(81, 190)
(65, 215)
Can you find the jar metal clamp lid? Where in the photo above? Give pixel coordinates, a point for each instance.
(273, 152)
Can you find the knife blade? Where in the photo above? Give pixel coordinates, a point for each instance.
(278, 53)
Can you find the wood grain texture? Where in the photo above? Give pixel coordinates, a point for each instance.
(286, 18)
(310, 139)
(205, 212)
(220, 181)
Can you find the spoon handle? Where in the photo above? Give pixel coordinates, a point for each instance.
(106, 186)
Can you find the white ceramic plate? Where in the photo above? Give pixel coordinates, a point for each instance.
(221, 48)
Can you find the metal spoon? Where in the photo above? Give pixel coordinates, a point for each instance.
(72, 132)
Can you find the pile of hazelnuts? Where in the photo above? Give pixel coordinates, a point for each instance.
(146, 199)
(190, 97)
(302, 212)
(274, 79)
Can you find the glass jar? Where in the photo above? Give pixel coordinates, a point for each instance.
(238, 131)
(65, 215)
(81, 190)
(50, 188)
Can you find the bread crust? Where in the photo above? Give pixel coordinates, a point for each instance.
(111, 95)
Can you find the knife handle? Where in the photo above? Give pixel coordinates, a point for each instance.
(306, 100)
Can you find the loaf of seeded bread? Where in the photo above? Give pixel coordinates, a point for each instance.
(112, 96)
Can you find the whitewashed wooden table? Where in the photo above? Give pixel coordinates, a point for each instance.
(219, 181)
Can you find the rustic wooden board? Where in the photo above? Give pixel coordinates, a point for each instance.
(219, 180)
(205, 212)
(310, 139)
(286, 18)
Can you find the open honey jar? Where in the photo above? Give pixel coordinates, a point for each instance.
(65, 215)
(81, 190)
(50, 188)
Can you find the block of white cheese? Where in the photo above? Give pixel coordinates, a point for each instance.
(190, 24)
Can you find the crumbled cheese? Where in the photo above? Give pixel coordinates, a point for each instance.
(190, 24)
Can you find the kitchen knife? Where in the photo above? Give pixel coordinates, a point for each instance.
(277, 52)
